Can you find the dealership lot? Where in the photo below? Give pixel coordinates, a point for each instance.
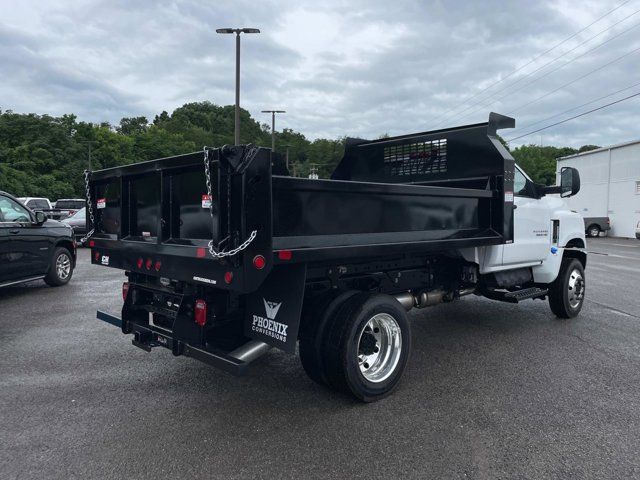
(491, 391)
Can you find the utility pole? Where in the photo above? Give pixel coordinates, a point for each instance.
(287, 156)
(237, 31)
(273, 126)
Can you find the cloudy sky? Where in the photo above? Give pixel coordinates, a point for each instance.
(357, 67)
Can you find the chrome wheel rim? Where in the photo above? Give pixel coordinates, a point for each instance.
(63, 266)
(379, 347)
(594, 232)
(576, 288)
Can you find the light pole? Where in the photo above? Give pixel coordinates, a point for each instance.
(237, 31)
(273, 127)
(287, 155)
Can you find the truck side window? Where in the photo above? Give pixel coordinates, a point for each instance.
(522, 186)
(519, 183)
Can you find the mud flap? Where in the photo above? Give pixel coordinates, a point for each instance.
(273, 311)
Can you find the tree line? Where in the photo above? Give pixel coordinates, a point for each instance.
(43, 155)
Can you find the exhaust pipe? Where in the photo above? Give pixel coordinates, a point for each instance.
(405, 299)
(428, 298)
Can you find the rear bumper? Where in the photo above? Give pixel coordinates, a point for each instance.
(149, 337)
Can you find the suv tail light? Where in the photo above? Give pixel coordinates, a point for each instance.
(125, 290)
(200, 312)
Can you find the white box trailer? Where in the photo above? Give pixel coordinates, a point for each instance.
(610, 185)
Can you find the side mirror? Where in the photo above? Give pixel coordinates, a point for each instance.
(40, 218)
(569, 182)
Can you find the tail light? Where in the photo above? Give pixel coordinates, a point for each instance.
(200, 312)
(140, 262)
(148, 264)
(92, 243)
(157, 266)
(96, 256)
(125, 290)
(259, 262)
(228, 277)
(285, 255)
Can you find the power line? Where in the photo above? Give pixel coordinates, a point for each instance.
(535, 58)
(574, 117)
(574, 81)
(458, 117)
(579, 106)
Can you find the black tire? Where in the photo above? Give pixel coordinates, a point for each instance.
(563, 291)
(56, 276)
(593, 231)
(315, 316)
(343, 346)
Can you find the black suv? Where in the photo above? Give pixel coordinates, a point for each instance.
(33, 247)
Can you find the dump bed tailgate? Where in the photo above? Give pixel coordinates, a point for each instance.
(159, 218)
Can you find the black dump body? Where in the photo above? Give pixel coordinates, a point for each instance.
(432, 191)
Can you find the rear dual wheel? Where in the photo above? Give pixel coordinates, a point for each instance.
(362, 347)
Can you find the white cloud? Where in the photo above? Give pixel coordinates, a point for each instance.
(358, 68)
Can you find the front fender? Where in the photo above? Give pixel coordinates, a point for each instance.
(570, 242)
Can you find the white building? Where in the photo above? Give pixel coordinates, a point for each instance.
(610, 185)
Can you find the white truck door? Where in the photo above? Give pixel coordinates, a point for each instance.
(532, 225)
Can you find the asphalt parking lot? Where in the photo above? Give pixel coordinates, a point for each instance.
(491, 391)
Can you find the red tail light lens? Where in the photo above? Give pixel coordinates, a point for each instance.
(140, 262)
(96, 256)
(157, 266)
(148, 264)
(201, 252)
(125, 290)
(200, 312)
(259, 262)
(92, 243)
(228, 277)
(285, 254)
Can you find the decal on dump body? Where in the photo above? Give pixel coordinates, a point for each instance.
(273, 311)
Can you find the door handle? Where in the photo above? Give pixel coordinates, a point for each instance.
(14, 231)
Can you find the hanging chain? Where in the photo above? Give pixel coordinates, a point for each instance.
(87, 174)
(252, 236)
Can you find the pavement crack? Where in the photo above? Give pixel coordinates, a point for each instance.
(613, 308)
(597, 349)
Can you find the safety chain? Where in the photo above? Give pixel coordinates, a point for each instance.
(252, 236)
(87, 174)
